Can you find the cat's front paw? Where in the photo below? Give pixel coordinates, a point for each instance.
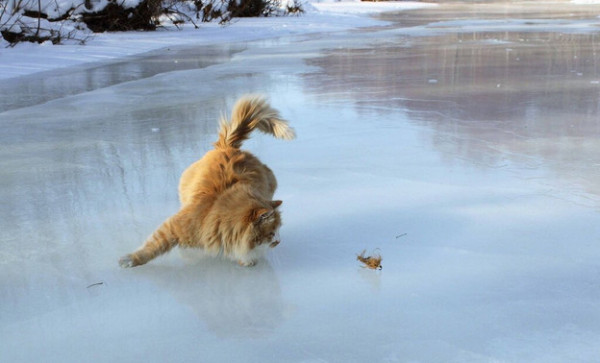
(126, 262)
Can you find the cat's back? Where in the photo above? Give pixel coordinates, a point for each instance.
(219, 169)
(200, 177)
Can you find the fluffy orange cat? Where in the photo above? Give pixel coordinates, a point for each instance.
(226, 197)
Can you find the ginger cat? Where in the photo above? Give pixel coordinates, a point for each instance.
(226, 196)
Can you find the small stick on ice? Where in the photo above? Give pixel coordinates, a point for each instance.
(372, 262)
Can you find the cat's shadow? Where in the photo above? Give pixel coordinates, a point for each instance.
(233, 301)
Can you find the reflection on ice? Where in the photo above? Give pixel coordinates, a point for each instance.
(527, 98)
(40, 88)
(233, 301)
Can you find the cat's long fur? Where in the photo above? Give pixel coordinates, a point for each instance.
(226, 196)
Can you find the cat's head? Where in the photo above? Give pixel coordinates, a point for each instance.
(265, 221)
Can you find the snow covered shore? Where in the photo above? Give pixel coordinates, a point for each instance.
(27, 58)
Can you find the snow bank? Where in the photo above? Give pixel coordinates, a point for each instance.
(29, 58)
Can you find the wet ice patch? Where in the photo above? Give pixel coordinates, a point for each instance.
(513, 25)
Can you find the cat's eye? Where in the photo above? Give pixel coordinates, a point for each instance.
(267, 215)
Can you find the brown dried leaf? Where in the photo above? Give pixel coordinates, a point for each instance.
(372, 262)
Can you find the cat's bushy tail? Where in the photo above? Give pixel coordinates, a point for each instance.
(249, 113)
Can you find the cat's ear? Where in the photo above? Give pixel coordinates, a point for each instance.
(260, 214)
(276, 203)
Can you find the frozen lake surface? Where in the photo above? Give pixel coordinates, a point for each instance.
(461, 143)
